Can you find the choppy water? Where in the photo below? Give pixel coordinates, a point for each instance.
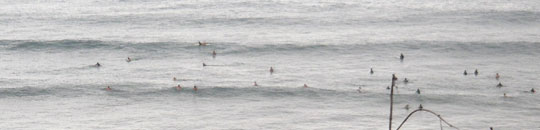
(47, 49)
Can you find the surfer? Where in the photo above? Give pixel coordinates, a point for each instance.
(420, 107)
(533, 91)
(417, 91)
(406, 80)
(202, 43)
(305, 86)
(255, 83)
(387, 87)
(497, 76)
(475, 72)
(371, 70)
(465, 72)
(401, 57)
(214, 53)
(271, 70)
(499, 85)
(174, 78)
(203, 64)
(505, 95)
(179, 88)
(359, 90)
(108, 88)
(406, 107)
(128, 59)
(98, 65)
(195, 88)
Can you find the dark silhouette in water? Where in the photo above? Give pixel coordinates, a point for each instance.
(371, 70)
(406, 107)
(202, 43)
(388, 87)
(255, 83)
(179, 88)
(98, 65)
(305, 86)
(214, 54)
(174, 78)
(533, 91)
(203, 64)
(476, 72)
(465, 72)
(271, 70)
(128, 59)
(497, 76)
(499, 85)
(195, 88)
(401, 57)
(417, 91)
(420, 107)
(108, 88)
(406, 80)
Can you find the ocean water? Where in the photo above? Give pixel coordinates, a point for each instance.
(48, 50)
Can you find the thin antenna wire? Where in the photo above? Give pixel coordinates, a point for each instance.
(394, 78)
(429, 111)
(440, 123)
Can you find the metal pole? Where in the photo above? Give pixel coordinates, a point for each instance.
(391, 100)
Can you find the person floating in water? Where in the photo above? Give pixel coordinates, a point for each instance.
(195, 88)
(371, 70)
(401, 57)
(203, 64)
(214, 53)
(420, 107)
(98, 65)
(202, 43)
(497, 76)
(255, 83)
(387, 87)
(476, 72)
(533, 91)
(128, 59)
(406, 80)
(465, 72)
(417, 91)
(504, 95)
(108, 88)
(305, 86)
(406, 107)
(271, 70)
(359, 90)
(174, 78)
(179, 88)
(499, 85)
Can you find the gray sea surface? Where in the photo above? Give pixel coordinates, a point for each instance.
(48, 50)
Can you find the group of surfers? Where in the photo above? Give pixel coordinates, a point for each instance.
(179, 88)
